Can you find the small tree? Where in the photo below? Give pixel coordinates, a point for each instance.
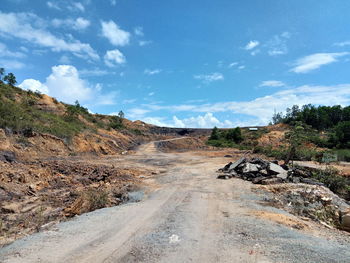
(342, 134)
(121, 114)
(10, 79)
(214, 134)
(295, 139)
(2, 72)
(234, 135)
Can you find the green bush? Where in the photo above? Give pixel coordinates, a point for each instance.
(336, 183)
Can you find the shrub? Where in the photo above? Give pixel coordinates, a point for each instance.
(96, 199)
(335, 182)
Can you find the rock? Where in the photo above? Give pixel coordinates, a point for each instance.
(250, 168)
(275, 169)
(234, 165)
(259, 179)
(310, 181)
(272, 181)
(282, 176)
(345, 221)
(224, 176)
(7, 156)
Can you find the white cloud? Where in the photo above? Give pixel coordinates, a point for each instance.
(65, 84)
(272, 83)
(342, 44)
(136, 113)
(77, 24)
(144, 42)
(210, 77)
(64, 59)
(113, 2)
(114, 57)
(233, 64)
(251, 44)
(315, 61)
(94, 72)
(75, 6)
(53, 5)
(138, 31)
(241, 67)
(4, 52)
(34, 85)
(11, 64)
(29, 27)
(115, 34)
(152, 72)
(278, 44)
(201, 121)
(260, 110)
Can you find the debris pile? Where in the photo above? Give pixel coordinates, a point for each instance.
(303, 196)
(312, 201)
(260, 171)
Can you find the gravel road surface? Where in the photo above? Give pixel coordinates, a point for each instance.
(186, 215)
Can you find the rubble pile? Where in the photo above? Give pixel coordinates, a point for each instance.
(303, 195)
(260, 171)
(312, 201)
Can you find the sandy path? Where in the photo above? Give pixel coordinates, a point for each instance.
(189, 217)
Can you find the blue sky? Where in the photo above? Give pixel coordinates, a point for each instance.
(181, 63)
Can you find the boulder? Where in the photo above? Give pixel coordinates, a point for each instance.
(275, 169)
(345, 221)
(234, 165)
(250, 168)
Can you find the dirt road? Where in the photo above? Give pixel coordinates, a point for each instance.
(186, 215)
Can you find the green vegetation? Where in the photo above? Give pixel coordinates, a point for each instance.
(18, 112)
(225, 138)
(331, 178)
(335, 121)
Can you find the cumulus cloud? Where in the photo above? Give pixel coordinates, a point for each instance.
(272, 83)
(210, 77)
(201, 121)
(114, 57)
(29, 27)
(115, 34)
(252, 44)
(315, 61)
(76, 24)
(65, 84)
(34, 85)
(152, 71)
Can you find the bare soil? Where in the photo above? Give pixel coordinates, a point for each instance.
(185, 215)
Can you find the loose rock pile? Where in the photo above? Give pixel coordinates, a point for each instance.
(303, 195)
(260, 171)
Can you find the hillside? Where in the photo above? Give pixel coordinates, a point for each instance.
(36, 125)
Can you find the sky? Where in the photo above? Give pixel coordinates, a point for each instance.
(198, 63)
